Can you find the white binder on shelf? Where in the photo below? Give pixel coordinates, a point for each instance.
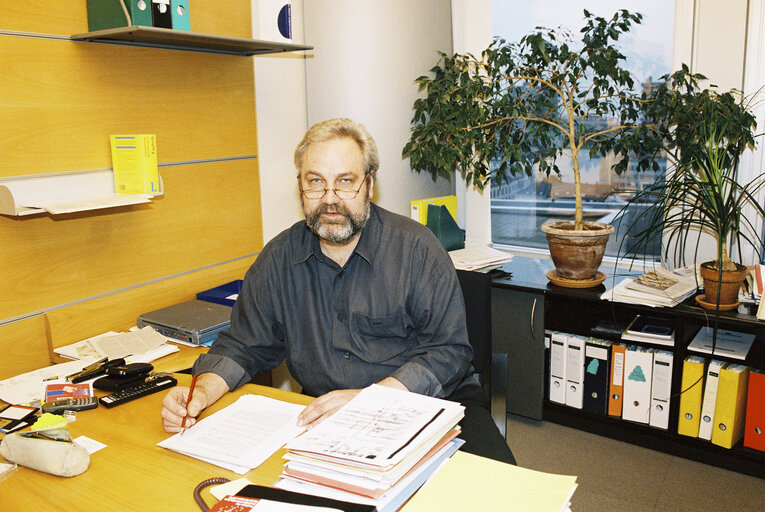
(638, 372)
(661, 389)
(707, 417)
(558, 342)
(575, 371)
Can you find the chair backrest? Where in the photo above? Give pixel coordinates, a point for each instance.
(476, 290)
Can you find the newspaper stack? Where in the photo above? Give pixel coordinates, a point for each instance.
(377, 450)
(656, 288)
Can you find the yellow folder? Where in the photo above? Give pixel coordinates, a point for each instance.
(470, 482)
(730, 407)
(691, 387)
(419, 207)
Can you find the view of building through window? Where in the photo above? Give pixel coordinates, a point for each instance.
(519, 208)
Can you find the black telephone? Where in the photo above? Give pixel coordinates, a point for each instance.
(124, 376)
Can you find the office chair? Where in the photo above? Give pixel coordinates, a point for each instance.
(491, 367)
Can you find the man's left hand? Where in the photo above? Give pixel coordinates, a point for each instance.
(326, 405)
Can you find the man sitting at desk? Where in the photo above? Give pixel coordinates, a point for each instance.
(352, 296)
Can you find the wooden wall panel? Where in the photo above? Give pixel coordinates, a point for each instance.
(229, 18)
(61, 100)
(23, 346)
(210, 213)
(118, 312)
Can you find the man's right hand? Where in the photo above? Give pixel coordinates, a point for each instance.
(208, 389)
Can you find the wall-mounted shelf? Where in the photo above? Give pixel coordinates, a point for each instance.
(138, 35)
(64, 193)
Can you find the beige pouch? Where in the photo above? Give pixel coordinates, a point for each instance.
(52, 452)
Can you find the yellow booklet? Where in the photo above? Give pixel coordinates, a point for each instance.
(470, 482)
(134, 160)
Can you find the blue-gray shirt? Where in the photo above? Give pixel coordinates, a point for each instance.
(395, 309)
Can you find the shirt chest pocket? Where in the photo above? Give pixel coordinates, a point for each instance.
(381, 339)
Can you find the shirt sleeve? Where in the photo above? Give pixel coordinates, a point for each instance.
(442, 356)
(255, 341)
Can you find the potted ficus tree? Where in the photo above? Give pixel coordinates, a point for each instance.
(523, 105)
(704, 133)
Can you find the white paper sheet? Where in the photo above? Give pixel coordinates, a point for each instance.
(244, 434)
(29, 386)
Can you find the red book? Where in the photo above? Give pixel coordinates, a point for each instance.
(67, 390)
(754, 429)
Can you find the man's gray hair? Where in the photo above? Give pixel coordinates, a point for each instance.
(338, 128)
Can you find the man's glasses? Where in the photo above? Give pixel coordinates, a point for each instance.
(318, 193)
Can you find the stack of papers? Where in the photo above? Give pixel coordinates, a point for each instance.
(657, 288)
(479, 258)
(376, 450)
(114, 345)
(728, 343)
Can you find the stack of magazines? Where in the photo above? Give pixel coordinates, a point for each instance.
(656, 288)
(377, 450)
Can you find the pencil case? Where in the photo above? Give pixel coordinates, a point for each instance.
(57, 456)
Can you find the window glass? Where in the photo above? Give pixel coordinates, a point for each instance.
(519, 208)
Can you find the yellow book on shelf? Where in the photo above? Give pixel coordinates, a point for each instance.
(692, 386)
(419, 207)
(730, 408)
(134, 160)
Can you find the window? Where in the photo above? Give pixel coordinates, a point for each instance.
(519, 208)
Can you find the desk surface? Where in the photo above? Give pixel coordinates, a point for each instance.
(132, 472)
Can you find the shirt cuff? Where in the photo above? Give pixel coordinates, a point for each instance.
(419, 379)
(224, 367)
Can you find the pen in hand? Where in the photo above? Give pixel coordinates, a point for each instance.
(188, 401)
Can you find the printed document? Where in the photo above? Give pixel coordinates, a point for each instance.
(114, 345)
(379, 427)
(240, 436)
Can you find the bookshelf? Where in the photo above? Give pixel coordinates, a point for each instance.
(155, 37)
(526, 303)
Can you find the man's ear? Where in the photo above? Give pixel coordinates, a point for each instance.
(371, 177)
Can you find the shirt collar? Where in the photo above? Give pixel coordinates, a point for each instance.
(365, 248)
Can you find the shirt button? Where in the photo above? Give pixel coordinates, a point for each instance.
(341, 316)
(346, 355)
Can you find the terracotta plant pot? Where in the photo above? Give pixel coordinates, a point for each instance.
(731, 284)
(577, 254)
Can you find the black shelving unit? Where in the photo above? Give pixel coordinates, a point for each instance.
(576, 311)
(154, 37)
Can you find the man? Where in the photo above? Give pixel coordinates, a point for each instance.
(353, 296)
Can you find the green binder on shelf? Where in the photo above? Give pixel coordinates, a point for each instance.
(442, 224)
(105, 14)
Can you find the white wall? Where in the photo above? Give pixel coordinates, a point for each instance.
(281, 117)
(366, 58)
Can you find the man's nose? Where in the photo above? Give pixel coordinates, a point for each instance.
(330, 197)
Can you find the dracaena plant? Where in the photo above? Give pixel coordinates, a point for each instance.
(523, 105)
(704, 133)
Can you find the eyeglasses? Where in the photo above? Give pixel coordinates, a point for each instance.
(318, 193)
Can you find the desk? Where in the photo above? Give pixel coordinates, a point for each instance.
(132, 473)
(181, 360)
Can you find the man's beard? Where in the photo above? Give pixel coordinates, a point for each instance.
(341, 232)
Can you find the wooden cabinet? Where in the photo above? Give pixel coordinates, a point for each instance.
(525, 304)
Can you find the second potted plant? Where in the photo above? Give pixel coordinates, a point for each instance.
(704, 133)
